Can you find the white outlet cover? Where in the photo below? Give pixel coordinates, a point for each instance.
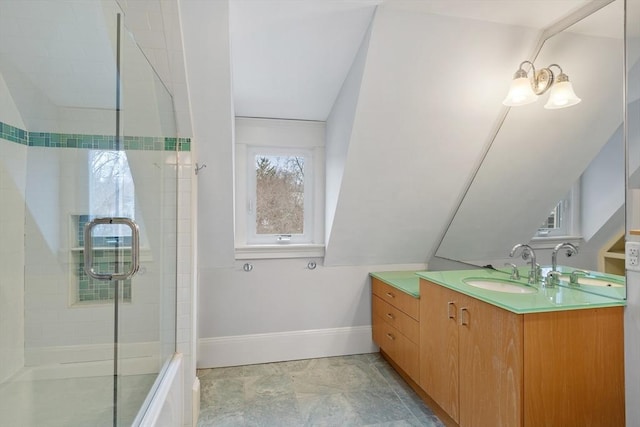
(632, 256)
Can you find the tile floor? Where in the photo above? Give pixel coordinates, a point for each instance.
(359, 390)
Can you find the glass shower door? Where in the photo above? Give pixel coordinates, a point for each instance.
(146, 318)
(86, 133)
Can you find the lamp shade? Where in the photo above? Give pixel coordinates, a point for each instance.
(561, 95)
(520, 93)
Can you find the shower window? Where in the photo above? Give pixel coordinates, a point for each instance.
(111, 184)
(112, 193)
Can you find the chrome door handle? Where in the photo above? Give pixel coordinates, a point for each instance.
(88, 248)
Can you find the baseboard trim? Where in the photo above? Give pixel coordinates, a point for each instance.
(281, 346)
(195, 402)
(38, 356)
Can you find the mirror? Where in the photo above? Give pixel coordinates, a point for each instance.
(633, 128)
(538, 155)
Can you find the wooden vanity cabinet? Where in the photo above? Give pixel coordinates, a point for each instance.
(471, 358)
(488, 367)
(395, 326)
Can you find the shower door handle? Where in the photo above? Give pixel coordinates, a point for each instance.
(88, 248)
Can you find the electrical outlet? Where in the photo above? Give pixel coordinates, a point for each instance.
(632, 256)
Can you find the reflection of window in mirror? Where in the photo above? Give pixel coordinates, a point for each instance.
(564, 219)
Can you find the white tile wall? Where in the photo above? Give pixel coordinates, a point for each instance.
(52, 321)
(186, 290)
(13, 164)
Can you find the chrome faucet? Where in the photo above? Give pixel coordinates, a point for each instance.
(573, 278)
(515, 274)
(553, 278)
(571, 250)
(528, 254)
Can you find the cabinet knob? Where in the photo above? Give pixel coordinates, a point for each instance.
(391, 316)
(391, 337)
(390, 295)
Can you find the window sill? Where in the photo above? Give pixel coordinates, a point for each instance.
(551, 241)
(279, 251)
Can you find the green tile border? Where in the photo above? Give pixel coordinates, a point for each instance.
(14, 134)
(95, 142)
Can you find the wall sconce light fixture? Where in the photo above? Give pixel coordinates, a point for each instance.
(525, 90)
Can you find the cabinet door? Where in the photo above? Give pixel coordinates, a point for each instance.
(490, 358)
(574, 366)
(439, 345)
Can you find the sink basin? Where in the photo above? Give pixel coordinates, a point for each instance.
(497, 285)
(594, 281)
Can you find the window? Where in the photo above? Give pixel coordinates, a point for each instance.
(563, 220)
(279, 195)
(279, 187)
(111, 193)
(111, 188)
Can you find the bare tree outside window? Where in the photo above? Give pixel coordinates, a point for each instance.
(279, 194)
(112, 191)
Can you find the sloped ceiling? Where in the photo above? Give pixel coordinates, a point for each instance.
(428, 96)
(290, 58)
(421, 123)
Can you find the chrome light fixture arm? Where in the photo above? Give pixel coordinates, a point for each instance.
(525, 90)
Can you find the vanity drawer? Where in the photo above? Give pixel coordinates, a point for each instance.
(408, 326)
(398, 347)
(396, 298)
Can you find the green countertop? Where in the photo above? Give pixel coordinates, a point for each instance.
(545, 299)
(612, 292)
(406, 281)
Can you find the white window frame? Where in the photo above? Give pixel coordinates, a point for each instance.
(285, 138)
(569, 209)
(254, 238)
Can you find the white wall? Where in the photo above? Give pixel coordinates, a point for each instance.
(208, 76)
(338, 131)
(208, 70)
(603, 186)
(282, 310)
(13, 166)
(13, 169)
(430, 93)
(10, 114)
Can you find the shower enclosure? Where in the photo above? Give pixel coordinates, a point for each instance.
(88, 201)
